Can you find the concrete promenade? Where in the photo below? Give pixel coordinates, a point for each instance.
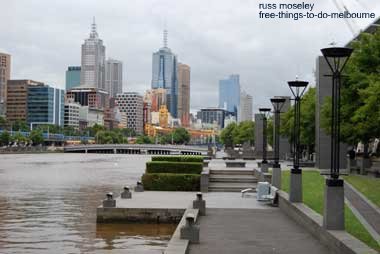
(253, 231)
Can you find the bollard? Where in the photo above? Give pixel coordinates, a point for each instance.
(139, 187)
(126, 193)
(200, 204)
(190, 231)
(109, 201)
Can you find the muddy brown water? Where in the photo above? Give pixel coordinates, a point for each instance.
(48, 205)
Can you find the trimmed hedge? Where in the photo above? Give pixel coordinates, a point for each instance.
(171, 182)
(188, 158)
(174, 167)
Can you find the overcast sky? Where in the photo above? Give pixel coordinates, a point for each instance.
(215, 37)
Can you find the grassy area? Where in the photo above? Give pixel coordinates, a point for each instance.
(369, 187)
(313, 190)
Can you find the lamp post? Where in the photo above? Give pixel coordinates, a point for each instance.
(264, 112)
(298, 88)
(336, 58)
(277, 103)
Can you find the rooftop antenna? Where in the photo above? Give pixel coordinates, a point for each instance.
(93, 28)
(165, 38)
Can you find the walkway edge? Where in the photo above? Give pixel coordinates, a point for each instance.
(176, 244)
(369, 202)
(363, 221)
(337, 240)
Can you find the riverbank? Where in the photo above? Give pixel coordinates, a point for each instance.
(31, 149)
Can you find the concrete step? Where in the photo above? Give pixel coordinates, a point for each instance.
(233, 178)
(231, 172)
(230, 187)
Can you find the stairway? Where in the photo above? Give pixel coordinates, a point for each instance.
(231, 180)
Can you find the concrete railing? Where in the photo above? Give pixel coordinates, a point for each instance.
(205, 178)
(338, 241)
(176, 244)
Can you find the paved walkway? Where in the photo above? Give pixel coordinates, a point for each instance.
(182, 200)
(245, 231)
(368, 212)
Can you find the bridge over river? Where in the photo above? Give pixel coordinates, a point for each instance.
(136, 149)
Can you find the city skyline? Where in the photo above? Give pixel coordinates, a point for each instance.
(212, 49)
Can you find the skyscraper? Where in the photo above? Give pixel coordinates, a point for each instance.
(164, 74)
(245, 109)
(93, 61)
(184, 94)
(5, 73)
(229, 94)
(73, 77)
(114, 77)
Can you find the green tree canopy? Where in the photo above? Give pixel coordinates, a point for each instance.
(307, 123)
(227, 135)
(360, 93)
(181, 136)
(36, 137)
(244, 132)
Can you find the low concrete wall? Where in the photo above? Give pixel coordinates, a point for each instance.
(336, 240)
(139, 215)
(176, 244)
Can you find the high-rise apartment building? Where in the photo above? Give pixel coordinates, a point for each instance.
(114, 77)
(73, 77)
(71, 118)
(45, 105)
(229, 94)
(164, 74)
(93, 61)
(245, 109)
(184, 94)
(5, 75)
(132, 105)
(17, 99)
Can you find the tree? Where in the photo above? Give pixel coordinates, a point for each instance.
(227, 136)
(3, 123)
(181, 136)
(20, 126)
(360, 110)
(144, 140)
(307, 121)
(36, 137)
(244, 132)
(5, 138)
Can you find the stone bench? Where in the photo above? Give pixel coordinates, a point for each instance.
(235, 164)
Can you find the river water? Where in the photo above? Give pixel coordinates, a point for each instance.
(48, 205)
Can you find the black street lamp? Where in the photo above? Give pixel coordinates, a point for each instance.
(277, 103)
(264, 112)
(333, 216)
(298, 88)
(336, 58)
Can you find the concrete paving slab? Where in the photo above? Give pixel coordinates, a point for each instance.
(182, 200)
(258, 231)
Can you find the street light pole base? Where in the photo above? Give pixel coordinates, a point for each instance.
(295, 193)
(333, 214)
(264, 167)
(276, 176)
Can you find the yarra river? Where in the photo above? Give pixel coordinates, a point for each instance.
(48, 205)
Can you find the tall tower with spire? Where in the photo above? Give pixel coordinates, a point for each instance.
(165, 72)
(93, 60)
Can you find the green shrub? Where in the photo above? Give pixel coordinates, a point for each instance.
(180, 158)
(174, 167)
(171, 182)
